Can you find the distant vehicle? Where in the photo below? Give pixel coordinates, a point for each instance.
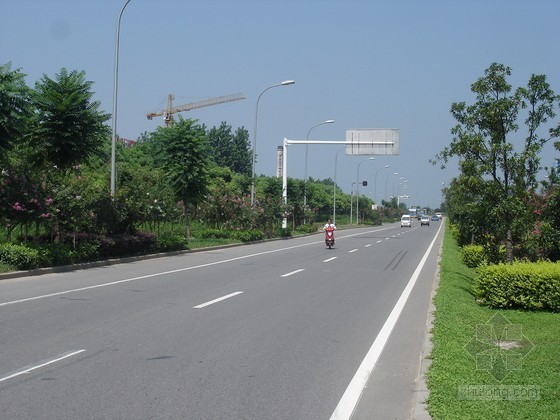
(439, 215)
(425, 220)
(406, 221)
(435, 218)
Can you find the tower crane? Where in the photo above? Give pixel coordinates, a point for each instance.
(170, 110)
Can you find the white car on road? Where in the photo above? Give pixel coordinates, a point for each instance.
(406, 221)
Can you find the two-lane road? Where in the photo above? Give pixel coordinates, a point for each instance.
(276, 330)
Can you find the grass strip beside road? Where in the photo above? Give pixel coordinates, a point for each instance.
(488, 363)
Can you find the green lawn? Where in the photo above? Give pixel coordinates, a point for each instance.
(487, 363)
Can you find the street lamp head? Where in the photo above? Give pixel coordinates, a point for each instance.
(329, 122)
(287, 82)
(387, 166)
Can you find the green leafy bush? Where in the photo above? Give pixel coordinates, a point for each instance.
(284, 233)
(473, 255)
(166, 243)
(59, 253)
(56, 254)
(534, 286)
(250, 235)
(19, 256)
(310, 228)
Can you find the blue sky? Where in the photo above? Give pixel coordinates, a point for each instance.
(364, 63)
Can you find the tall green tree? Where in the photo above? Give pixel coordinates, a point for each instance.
(231, 150)
(183, 153)
(67, 126)
(14, 107)
(485, 140)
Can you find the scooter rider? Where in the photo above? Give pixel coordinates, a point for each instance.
(329, 224)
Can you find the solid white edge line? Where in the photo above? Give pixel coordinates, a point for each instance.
(211, 302)
(28, 369)
(351, 396)
(292, 272)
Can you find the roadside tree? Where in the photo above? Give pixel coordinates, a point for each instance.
(230, 150)
(485, 140)
(183, 154)
(66, 127)
(14, 108)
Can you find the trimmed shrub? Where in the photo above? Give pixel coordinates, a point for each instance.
(56, 254)
(250, 235)
(126, 245)
(19, 256)
(166, 243)
(473, 255)
(311, 228)
(534, 286)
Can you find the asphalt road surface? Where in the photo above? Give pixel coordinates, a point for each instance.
(284, 329)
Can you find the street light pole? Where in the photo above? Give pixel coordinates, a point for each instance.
(358, 188)
(284, 83)
(386, 178)
(115, 92)
(306, 154)
(399, 191)
(394, 182)
(375, 183)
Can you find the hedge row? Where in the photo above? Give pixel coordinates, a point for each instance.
(248, 235)
(85, 248)
(533, 286)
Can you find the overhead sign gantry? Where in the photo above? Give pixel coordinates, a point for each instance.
(359, 142)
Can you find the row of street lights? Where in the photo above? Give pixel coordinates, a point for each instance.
(254, 144)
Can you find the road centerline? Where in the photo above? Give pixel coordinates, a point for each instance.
(292, 273)
(39, 365)
(211, 302)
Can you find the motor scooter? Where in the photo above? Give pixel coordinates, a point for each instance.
(329, 237)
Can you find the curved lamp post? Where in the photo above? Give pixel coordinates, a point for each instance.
(306, 154)
(284, 83)
(394, 182)
(115, 91)
(386, 178)
(404, 186)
